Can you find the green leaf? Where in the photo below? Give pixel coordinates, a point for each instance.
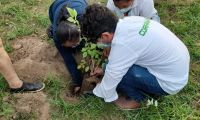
(83, 49)
(83, 66)
(79, 67)
(92, 54)
(87, 69)
(93, 46)
(89, 52)
(83, 61)
(72, 12)
(84, 54)
(70, 19)
(96, 56)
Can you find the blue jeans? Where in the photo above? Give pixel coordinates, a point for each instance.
(139, 82)
(70, 62)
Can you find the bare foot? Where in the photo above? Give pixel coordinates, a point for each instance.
(125, 104)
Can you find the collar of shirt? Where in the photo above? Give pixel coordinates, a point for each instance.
(135, 3)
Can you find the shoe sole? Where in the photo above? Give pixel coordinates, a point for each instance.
(38, 89)
(129, 109)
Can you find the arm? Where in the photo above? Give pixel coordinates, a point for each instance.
(70, 63)
(120, 60)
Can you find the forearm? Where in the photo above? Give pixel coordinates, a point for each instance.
(70, 63)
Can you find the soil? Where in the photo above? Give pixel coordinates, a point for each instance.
(30, 106)
(89, 84)
(33, 59)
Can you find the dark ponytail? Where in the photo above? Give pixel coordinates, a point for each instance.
(67, 31)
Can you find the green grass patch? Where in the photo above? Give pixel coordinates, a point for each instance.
(5, 109)
(25, 17)
(183, 20)
(3, 84)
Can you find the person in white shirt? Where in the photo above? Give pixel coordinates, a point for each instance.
(144, 8)
(146, 58)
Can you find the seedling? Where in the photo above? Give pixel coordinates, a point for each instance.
(92, 57)
(91, 53)
(73, 16)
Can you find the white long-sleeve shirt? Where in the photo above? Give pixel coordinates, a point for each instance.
(144, 8)
(147, 44)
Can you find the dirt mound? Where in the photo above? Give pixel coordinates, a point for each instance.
(33, 59)
(30, 106)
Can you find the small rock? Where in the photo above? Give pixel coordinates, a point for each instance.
(17, 46)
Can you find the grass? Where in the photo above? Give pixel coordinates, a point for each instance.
(26, 17)
(183, 20)
(22, 18)
(5, 109)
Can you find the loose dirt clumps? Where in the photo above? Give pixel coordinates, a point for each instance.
(33, 59)
(30, 106)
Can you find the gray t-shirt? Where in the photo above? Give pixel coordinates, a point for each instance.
(144, 8)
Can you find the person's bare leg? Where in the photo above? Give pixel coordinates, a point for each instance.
(7, 70)
(125, 104)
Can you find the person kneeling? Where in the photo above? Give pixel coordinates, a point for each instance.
(145, 58)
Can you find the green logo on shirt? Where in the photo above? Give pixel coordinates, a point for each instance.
(145, 27)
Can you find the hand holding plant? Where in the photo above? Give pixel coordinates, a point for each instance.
(97, 72)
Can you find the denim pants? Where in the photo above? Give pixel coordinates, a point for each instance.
(70, 62)
(139, 82)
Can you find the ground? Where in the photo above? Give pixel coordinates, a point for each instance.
(22, 27)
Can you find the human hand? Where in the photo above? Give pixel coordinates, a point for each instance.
(96, 72)
(106, 51)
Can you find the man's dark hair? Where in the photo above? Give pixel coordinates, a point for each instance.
(96, 20)
(67, 31)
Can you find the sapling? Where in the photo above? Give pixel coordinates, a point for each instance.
(91, 53)
(92, 58)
